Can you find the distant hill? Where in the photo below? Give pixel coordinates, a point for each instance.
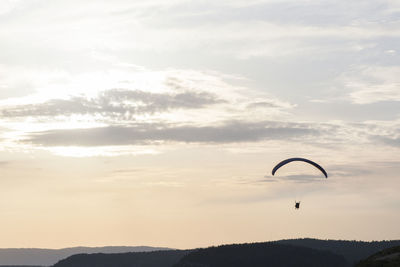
(353, 251)
(133, 259)
(47, 257)
(261, 255)
(387, 258)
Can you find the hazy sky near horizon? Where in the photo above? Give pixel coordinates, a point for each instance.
(158, 122)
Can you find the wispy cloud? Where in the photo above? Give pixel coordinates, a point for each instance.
(141, 134)
(370, 84)
(298, 178)
(115, 102)
(387, 140)
(162, 107)
(125, 102)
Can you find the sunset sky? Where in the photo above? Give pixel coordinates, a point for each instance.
(158, 122)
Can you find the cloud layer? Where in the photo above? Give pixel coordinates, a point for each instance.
(114, 102)
(209, 72)
(142, 134)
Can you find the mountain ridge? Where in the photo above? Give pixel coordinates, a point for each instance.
(353, 251)
(260, 255)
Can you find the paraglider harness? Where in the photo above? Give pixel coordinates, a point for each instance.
(296, 205)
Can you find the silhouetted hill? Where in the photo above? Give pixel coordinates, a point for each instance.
(387, 258)
(261, 255)
(353, 251)
(134, 259)
(47, 257)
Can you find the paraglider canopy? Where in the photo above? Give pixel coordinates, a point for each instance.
(286, 161)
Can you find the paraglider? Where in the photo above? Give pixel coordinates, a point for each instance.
(286, 161)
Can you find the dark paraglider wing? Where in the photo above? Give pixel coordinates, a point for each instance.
(286, 161)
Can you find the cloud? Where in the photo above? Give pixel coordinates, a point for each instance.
(371, 84)
(115, 102)
(173, 106)
(142, 134)
(298, 178)
(382, 132)
(7, 6)
(269, 103)
(220, 130)
(182, 114)
(350, 170)
(391, 141)
(126, 171)
(260, 29)
(368, 132)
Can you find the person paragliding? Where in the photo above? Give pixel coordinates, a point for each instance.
(286, 161)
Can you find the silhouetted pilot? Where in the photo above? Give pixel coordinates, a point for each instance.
(297, 205)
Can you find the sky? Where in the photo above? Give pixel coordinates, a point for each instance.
(158, 122)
